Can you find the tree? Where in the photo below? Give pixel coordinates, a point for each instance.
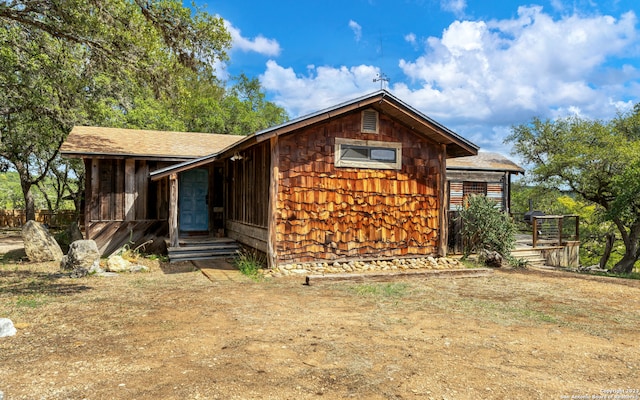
(597, 160)
(80, 61)
(239, 110)
(596, 233)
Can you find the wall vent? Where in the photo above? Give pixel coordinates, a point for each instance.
(370, 121)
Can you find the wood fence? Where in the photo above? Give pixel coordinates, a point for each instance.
(53, 219)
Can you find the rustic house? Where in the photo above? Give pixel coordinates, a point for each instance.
(122, 205)
(363, 179)
(488, 174)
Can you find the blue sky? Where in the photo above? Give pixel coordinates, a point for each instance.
(476, 66)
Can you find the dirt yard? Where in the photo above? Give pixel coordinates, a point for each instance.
(173, 334)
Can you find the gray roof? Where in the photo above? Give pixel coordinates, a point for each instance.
(381, 100)
(484, 161)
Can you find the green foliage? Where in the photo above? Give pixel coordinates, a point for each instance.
(11, 197)
(250, 262)
(484, 226)
(598, 161)
(133, 64)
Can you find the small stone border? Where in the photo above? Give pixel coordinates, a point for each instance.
(395, 265)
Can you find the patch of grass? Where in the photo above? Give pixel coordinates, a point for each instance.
(471, 263)
(381, 289)
(30, 301)
(517, 262)
(157, 257)
(250, 262)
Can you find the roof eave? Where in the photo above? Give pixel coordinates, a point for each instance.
(158, 157)
(510, 170)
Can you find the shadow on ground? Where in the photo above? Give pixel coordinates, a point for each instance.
(24, 282)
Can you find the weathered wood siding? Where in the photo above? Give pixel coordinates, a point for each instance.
(248, 196)
(329, 213)
(496, 183)
(122, 203)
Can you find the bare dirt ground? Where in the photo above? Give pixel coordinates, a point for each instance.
(173, 334)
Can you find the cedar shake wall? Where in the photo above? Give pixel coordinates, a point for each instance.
(329, 213)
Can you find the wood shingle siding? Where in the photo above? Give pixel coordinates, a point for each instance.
(329, 213)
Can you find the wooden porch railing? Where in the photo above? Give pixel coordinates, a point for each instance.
(555, 230)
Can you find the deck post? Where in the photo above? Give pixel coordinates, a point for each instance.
(173, 210)
(534, 221)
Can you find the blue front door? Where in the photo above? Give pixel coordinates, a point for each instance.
(192, 200)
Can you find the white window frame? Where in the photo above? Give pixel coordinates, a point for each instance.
(367, 163)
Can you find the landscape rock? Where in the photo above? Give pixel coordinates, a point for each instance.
(116, 263)
(138, 268)
(363, 266)
(490, 258)
(39, 245)
(6, 327)
(592, 268)
(83, 259)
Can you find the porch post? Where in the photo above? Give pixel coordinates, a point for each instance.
(443, 203)
(173, 210)
(272, 216)
(129, 189)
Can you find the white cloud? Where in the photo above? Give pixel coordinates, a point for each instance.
(320, 88)
(457, 7)
(259, 44)
(481, 77)
(356, 28)
(490, 70)
(411, 38)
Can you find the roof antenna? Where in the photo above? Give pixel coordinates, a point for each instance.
(383, 79)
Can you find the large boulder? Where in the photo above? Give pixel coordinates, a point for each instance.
(39, 245)
(83, 258)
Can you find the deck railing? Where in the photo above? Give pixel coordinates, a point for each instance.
(555, 230)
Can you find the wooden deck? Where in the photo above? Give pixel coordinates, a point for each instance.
(547, 252)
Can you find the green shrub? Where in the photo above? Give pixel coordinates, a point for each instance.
(484, 226)
(249, 262)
